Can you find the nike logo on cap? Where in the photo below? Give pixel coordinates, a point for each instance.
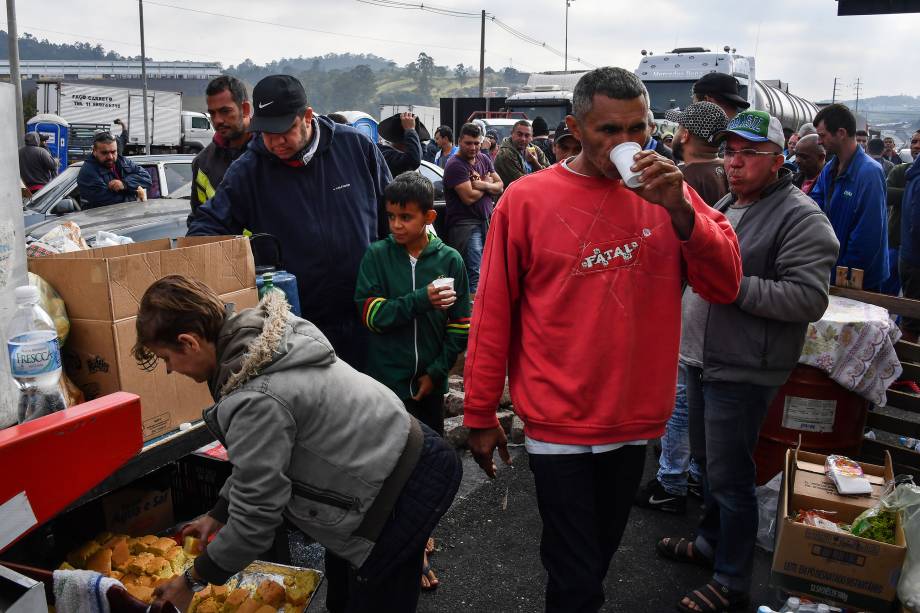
(262, 106)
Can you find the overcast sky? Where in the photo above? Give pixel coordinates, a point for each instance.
(799, 41)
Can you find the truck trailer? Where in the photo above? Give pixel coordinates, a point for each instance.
(92, 108)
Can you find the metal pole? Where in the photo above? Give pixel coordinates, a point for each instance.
(566, 35)
(140, 5)
(834, 95)
(482, 56)
(15, 78)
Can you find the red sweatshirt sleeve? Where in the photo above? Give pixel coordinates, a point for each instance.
(712, 255)
(490, 333)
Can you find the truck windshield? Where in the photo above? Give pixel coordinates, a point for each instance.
(552, 114)
(666, 95)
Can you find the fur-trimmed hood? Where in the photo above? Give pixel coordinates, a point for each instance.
(259, 341)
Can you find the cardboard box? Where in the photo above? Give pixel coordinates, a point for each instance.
(98, 359)
(107, 284)
(833, 567)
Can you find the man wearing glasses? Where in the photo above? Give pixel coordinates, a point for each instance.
(738, 355)
(107, 178)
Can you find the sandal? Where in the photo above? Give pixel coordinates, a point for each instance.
(714, 598)
(429, 579)
(681, 550)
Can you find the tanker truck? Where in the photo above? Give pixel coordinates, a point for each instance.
(669, 78)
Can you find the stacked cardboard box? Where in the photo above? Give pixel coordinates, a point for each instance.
(830, 566)
(102, 289)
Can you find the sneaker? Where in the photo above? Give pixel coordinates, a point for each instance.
(694, 487)
(653, 496)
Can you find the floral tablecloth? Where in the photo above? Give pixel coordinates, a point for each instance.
(854, 344)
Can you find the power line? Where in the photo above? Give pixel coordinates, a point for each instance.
(304, 29)
(396, 4)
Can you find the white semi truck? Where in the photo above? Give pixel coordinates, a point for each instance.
(89, 108)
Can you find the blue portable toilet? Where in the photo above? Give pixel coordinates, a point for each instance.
(57, 130)
(363, 122)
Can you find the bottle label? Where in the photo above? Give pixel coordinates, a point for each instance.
(34, 355)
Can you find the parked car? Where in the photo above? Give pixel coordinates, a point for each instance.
(139, 221)
(61, 196)
(435, 174)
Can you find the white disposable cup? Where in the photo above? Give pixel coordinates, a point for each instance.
(443, 283)
(622, 157)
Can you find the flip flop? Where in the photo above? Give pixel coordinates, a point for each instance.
(429, 576)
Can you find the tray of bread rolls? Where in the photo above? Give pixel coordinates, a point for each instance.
(143, 563)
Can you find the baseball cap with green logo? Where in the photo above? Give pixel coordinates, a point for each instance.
(754, 126)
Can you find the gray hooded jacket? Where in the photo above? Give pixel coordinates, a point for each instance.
(788, 248)
(310, 439)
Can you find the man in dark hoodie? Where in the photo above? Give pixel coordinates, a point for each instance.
(318, 187)
(36, 166)
(229, 108)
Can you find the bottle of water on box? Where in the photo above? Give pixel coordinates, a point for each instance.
(35, 357)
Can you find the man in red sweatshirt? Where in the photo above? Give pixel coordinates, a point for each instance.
(579, 302)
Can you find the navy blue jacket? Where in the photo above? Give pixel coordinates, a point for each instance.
(910, 215)
(324, 213)
(94, 182)
(856, 204)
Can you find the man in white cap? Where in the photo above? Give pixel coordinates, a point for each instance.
(738, 355)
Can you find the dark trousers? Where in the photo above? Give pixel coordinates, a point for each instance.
(389, 579)
(429, 410)
(725, 421)
(584, 501)
(910, 284)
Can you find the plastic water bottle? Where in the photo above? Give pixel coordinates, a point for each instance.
(909, 442)
(765, 609)
(268, 286)
(35, 357)
(791, 606)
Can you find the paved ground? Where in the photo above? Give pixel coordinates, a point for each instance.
(488, 553)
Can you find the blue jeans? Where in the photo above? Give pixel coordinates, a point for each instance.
(675, 461)
(725, 421)
(473, 256)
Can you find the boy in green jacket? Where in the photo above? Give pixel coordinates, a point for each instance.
(419, 319)
(404, 296)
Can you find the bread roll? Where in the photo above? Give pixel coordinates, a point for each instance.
(101, 561)
(234, 599)
(271, 593)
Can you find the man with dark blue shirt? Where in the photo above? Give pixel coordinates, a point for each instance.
(318, 188)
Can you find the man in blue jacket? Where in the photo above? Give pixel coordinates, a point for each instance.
(851, 192)
(107, 178)
(909, 264)
(316, 186)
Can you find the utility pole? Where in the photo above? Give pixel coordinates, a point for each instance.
(858, 84)
(568, 3)
(482, 56)
(834, 95)
(15, 79)
(140, 5)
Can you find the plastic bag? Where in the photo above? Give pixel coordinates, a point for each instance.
(64, 238)
(847, 475)
(108, 239)
(767, 500)
(906, 498)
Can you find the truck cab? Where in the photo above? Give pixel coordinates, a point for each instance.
(669, 77)
(550, 102)
(197, 131)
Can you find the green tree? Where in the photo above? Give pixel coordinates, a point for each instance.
(425, 71)
(462, 73)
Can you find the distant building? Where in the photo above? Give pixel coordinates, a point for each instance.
(111, 69)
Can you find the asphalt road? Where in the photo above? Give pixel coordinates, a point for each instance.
(488, 558)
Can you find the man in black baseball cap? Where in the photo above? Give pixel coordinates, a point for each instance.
(315, 185)
(565, 145)
(722, 89)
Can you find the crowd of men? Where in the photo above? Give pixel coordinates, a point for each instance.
(698, 287)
